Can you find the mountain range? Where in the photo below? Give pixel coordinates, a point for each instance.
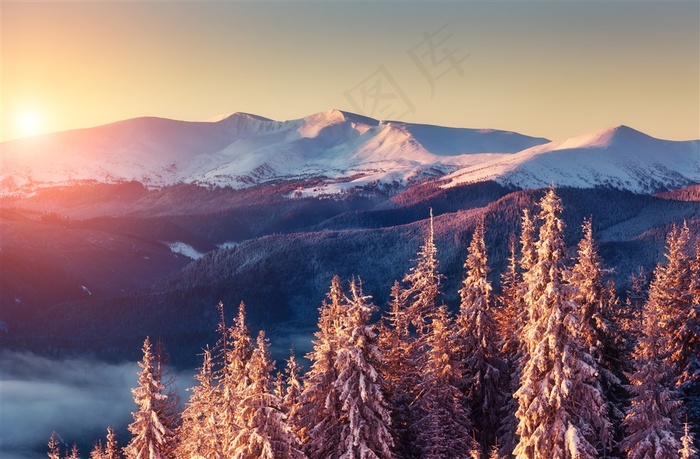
(141, 227)
(345, 151)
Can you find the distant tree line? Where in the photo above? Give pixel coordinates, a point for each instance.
(555, 366)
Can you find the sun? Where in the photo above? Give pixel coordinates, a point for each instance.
(29, 122)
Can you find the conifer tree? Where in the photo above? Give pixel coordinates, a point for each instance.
(236, 348)
(74, 453)
(688, 450)
(670, 295)
(652, 419)
(527, 243)
(423, 284)
(510, 314)
(293, 393)
(112, 450)
(54, 447)
(169, 407)
(695, 274)
(598, 332)
(422, 288)
(587, 277)
(152, 439)
(198, 434)
(222, 394)
(98, 452)
(510, 320)
(443, 425)
(264, 432)
(691, 386)
(561, 412)
(477, 344)
(629, 317)
(398, 371)
(320, 410)
(279, 388)
(365, 421)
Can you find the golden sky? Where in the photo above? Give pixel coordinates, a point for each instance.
(551, 69)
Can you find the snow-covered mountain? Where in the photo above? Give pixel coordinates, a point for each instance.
(240, 150)
(618, 157)
(344, 150)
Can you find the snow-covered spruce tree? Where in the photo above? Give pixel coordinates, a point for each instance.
(54, 447)
(279, 388)
(169, 407)
(222, 395)
(477, 345)
(510, 313)
(652, 419)
(695, 274)
(443, 426)
(527, 243)
(365, 420)
(197, 434)
(423, 284)
(320, 406)
(561, 411)
(74, 453)
(688, 450)
(599, 332)
(292, 396)
(522, 313)
(587, 277)
(112, 450)
(629, 315)
(691, 388)
(264, 432)
(240, 352)
(151, 438)
(510, 320)
(235, 348)
(670, 295)
(98, 451)
(398, 370)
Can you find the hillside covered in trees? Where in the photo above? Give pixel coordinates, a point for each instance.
(552, 366)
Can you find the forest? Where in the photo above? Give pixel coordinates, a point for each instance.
(553, 365)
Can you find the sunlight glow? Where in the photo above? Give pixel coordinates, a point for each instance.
(29, 123)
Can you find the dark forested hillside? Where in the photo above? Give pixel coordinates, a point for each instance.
(282, 253)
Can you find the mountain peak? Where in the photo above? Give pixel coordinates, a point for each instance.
(237, 116)
(623, 131)
(335, 115)
(313, 124)
(604, 138)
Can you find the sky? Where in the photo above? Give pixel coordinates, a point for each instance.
(550, 69)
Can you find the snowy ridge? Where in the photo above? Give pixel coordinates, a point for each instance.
(618, 157)
(241, 150)
(345, 149)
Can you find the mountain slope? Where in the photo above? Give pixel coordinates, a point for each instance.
(240, 150)
(283, 277)
(618, 157)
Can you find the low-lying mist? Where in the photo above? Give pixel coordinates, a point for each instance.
(76, 398)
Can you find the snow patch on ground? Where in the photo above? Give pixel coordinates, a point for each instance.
(185, 249)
